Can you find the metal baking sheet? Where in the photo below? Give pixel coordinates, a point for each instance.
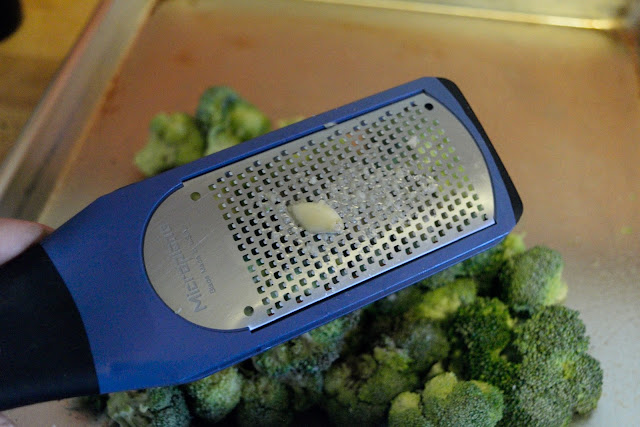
(561, 106)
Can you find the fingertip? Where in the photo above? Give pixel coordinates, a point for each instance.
(17, 235)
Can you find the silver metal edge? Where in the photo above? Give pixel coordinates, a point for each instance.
(627, 17)
(30, 170)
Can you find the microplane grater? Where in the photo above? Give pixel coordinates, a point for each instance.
(405, 178)
(186, 273)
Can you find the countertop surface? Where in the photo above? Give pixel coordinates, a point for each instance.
(30, 57)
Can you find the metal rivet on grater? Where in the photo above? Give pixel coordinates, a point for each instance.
(406, 179)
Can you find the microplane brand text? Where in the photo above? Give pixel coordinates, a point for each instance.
(182, 266)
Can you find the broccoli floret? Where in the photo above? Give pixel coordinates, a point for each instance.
(156, 407)
(440, 303)
(395, 305)
(265, 402)
(381, 318)
(214, 106)
(226, 119)
(174, 140)
(485, 325)
(302, 361)
(540, 364)
(551, 389)
(533, 279)
(486, 266)
(214, 397)
(480, 333)
(426, 343)
(540, 396)
(218, 138)
(437, 369)
(406, 411)
(450, 402)
(359, 390)
(585, 376)
(446, 401)
(222, 119)
(554, 341)
(247, 122)
(552, 329)
(420, 329)
(413, 319)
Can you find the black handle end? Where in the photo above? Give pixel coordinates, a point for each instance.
(516, 201)
(44, 349)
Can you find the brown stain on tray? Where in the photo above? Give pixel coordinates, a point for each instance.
(242, 42)
(184, 57)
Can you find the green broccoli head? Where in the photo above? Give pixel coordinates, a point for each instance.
(566, 380)
(554, 341)
(446, 401)
(302, 361)
(486, 266)
(480, 333)
(533, 279)
(550, 375)
(406, 411)
(154, 407)
(549, 390)
(484, 325)
(214, 397)
(585, 376)
(540, 364)
(426, 343)
(247, 122)
(359, 390)
(440, 303)
(540, 397)
(226, 119)
(382, 318)
(396, 304)
(174, 140)
(218, 138)
(550, 330)
(214, 106)
(265, 402)
(494, 368)
(449, 402)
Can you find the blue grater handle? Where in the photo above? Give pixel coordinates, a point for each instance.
(128, 338)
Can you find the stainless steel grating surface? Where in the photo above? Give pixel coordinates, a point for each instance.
(223, 251)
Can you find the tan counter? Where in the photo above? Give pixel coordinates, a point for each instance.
(30, 57)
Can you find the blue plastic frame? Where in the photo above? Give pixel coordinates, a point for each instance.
(137, 341)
